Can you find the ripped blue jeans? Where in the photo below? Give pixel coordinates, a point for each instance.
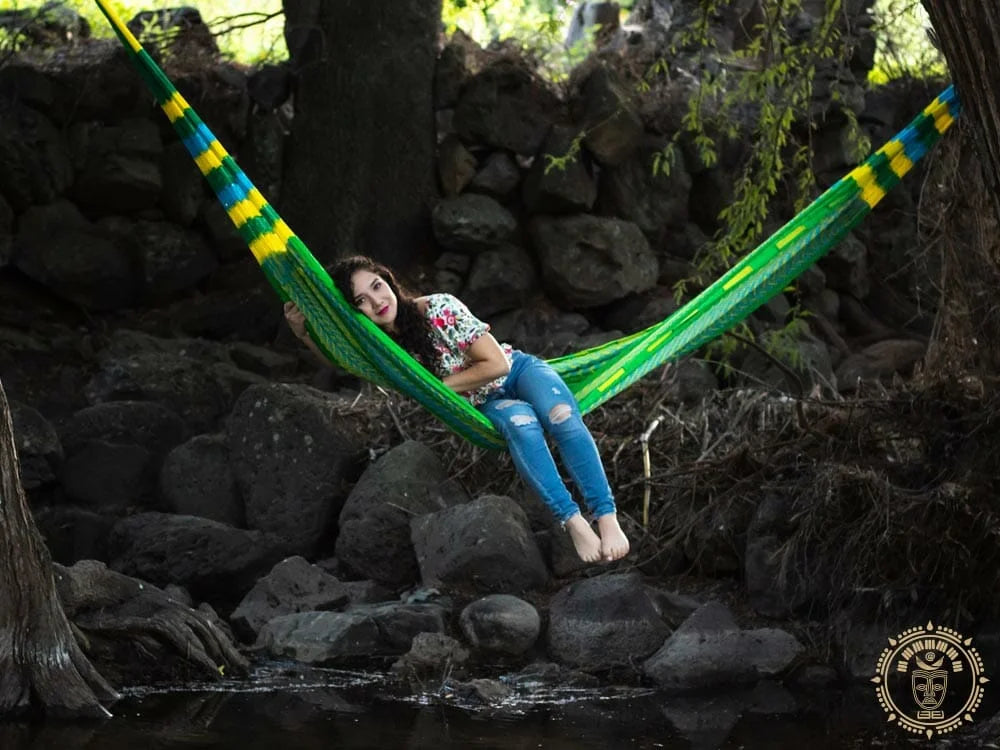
(534, 401)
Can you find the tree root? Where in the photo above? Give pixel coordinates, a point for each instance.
(120, 618)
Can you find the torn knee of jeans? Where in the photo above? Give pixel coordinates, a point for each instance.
(560, 413)
(522, 420)
(506, 403)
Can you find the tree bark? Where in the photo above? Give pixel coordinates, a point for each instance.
(42, 669)
(359, 169)
(969, 35)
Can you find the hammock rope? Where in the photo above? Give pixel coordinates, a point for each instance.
(594, 375)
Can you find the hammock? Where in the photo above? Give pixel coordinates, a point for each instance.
(594, 375)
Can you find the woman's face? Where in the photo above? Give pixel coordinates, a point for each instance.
(374, 298)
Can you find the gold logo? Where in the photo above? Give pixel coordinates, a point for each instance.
(929, 680)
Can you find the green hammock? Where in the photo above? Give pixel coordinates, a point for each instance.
(594, 375)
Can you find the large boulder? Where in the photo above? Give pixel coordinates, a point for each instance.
(589, 261)
(501, 279)
(374, 539)
(213, 561)
(192, 377)
(604, 622)
(605, 105)
(120, 169)
(291, 457)
(504, 106)
(172, 260)
(485, 545)
(197, 479)
(471, 222)
(561, 178)
(60, 249)
(114, 452)
(709, 650)
(35, 165)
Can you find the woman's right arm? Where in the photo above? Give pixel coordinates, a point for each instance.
(297, 322)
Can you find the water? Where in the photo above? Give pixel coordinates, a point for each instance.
(333, 709)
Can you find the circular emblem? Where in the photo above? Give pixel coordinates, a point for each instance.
(930, 680)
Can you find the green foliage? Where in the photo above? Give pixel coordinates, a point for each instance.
(251, 35)
(904, 48)
(761, 94)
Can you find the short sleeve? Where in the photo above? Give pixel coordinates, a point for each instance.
(454, 322)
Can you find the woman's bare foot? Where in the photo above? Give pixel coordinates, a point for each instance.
(614, 543)
(587, 543)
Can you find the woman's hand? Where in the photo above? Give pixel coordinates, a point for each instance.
(296, 320)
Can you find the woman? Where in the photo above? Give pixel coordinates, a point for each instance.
(522, 396)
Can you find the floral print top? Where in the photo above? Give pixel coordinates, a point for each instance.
(455, 329)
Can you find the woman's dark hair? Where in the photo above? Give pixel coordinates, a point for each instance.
(412, 330)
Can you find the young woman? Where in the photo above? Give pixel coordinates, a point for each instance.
(520, 394)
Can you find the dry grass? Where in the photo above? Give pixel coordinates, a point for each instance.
(893, 492)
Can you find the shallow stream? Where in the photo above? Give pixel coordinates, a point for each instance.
(290, 709)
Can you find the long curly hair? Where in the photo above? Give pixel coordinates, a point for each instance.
(412, 330)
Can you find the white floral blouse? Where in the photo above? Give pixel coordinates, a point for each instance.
(455, 329)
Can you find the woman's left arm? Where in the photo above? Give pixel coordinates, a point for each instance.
(487, 362)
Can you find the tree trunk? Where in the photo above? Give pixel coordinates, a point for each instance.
(969, 36)
(42, 669)
(359, 169)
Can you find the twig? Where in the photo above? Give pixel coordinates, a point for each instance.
(644, 440)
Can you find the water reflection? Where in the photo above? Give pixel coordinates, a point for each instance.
(290, 709)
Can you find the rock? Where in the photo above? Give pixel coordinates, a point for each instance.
(604, 622)
(183, 187)
(197, 480)
(471, 223)
(294, 585)
(172, 260)
(498, 177)
(192, 378)
(453, 69)
(114, 452)
(639, 311)
(501, 279)
(541, 329)
(485, 545)
(690, 381)
(589, 261)
(846, 267)
(881, 360)
(39, 450)
(374, 539)
(549, 188)
(504, 106)
(35, 164)
(605, 106)
(433, 655)
(641, 191)
(213, 561)
(456, 166)
(320, 638)
(57, 247)
(710, 651)
(501, 623)
(120, 170)
(72, 533)
(329, 638)
(479, 692)
(291, 458)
